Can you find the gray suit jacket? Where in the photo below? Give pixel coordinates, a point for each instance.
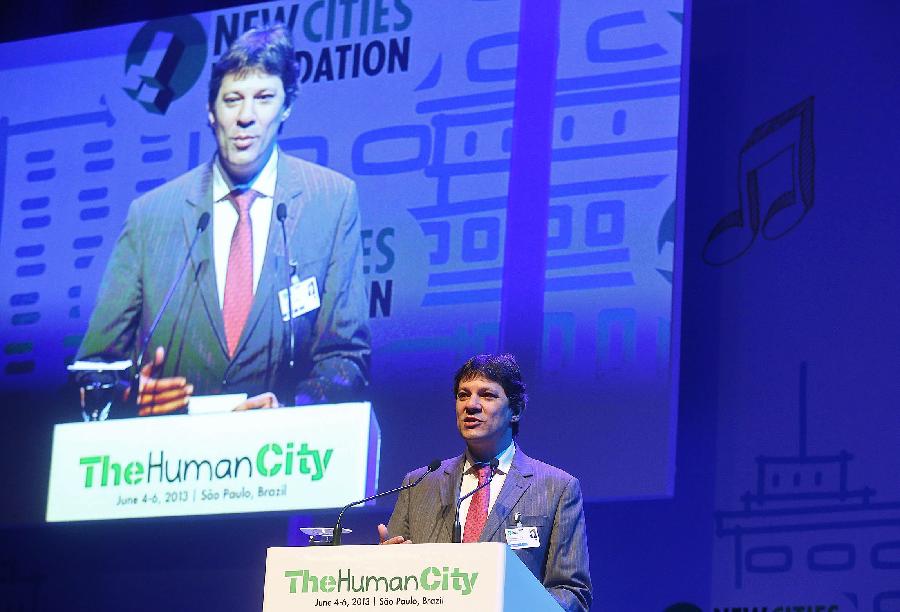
(332, 343)
(547, 498)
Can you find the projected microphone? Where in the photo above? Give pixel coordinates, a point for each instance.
(281, 214)
(457, 527)
(336, 541)
(202, 223)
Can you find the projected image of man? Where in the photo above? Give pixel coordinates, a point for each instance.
(227, 327)
(532, 506)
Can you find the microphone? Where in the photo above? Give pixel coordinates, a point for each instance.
(281, 214)
(457, 527)
(336, 541)
(202, 224)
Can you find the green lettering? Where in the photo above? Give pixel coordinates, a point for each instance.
(310, 580)
(426, 574)
(303, 453)
(133, 472)
(292, 574)
(261, 460)
(117, 472)
(89, 462)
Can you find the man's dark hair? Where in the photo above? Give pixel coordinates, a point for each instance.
(503, 370)
(268, 48)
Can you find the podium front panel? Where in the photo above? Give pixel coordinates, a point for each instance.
(446, 577)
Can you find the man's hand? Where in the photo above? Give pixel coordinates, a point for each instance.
(161, 395)
(263, 400)
(384, 537)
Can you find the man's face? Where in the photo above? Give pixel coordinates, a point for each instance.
(483, 416)
(246, 116)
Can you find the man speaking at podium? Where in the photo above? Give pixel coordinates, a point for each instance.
(226, 329)
(534, 507)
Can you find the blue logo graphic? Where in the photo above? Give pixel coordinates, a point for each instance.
(164, 61)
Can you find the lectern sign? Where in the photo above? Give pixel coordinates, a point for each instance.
(284, 459)
(431, 578)
(450, 577)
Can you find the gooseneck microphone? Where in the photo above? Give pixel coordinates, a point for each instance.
(457, 526)
(281, 214)
(336, 541)
(202, 224)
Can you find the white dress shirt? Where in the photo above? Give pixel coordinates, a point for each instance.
(470, 481)
(225, 219)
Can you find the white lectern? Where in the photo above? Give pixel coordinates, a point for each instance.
(484, 577)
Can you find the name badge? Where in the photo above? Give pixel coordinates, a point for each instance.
(304, 297)
(522, 537)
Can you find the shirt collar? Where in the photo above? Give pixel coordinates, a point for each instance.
(263, 184)
(505, 458)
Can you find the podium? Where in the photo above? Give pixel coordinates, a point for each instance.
(482, 577)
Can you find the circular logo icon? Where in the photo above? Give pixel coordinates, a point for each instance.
(164, 61)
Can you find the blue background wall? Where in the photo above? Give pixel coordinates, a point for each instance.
(801, 325)
(797, 350)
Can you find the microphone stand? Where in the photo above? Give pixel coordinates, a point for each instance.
(202, 223)
(281, 213)
(336, 536)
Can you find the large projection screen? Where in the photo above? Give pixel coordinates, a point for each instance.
(416, 102)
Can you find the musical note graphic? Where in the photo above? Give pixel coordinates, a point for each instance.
(776, 171)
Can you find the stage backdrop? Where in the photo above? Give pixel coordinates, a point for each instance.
(420, 103)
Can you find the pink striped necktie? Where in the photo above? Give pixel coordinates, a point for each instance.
(239, 276)
(477, 515)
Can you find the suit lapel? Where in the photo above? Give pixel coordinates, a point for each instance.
(517, 482)
(199, 200)
(288, 187)
(452, 477)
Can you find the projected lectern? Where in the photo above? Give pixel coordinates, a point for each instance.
(486, 577)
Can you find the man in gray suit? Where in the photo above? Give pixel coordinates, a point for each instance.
(532, 506)
(227, 329)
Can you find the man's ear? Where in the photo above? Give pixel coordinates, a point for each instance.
(286, 112)
(211, 116)
(514, 418)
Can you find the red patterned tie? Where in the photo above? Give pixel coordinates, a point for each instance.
(476, 517)
(239, 277)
